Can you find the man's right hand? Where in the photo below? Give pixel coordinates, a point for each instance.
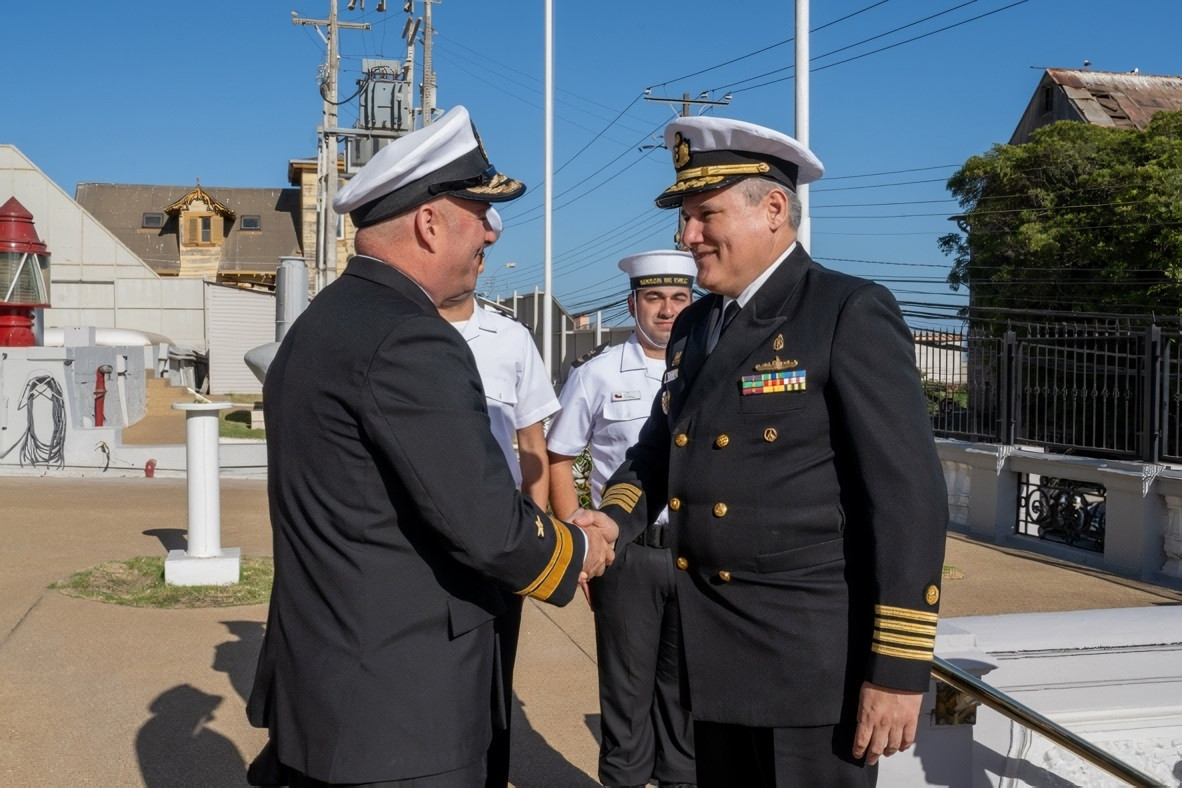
(592, 520)
(599, 553)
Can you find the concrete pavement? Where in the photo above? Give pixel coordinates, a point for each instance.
(92, 693)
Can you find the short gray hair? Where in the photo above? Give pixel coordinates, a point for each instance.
(755, 189)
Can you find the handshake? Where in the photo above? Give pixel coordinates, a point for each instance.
(602, 533)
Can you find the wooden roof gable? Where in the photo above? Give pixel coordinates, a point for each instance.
(199, 194)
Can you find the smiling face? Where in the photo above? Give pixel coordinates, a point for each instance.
(466, 236)
(654, 309)
(733, 237)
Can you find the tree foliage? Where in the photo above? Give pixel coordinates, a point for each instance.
(1081, 218)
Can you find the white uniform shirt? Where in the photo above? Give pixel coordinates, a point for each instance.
(605, 402)
(513, 375)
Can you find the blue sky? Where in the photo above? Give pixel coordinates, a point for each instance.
(226, 91)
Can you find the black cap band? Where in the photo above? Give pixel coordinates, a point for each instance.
(661, 280)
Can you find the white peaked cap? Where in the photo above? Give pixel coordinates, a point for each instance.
(710, 153)
(445, 157)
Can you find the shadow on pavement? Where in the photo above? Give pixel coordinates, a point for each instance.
(535, 764)
(171, 538)
(176, 746)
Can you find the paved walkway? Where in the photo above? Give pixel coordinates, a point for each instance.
(92, 693)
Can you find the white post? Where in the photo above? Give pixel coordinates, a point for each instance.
(804, 233)
(204, 562)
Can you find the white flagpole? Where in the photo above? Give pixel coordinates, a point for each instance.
(548, 312)
(804, 233)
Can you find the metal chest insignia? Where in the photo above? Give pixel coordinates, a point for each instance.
(676, 358)
(541, 529)
(777, 364)
(665, 403)
(778, 343)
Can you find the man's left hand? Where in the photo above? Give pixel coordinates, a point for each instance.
(886, 721)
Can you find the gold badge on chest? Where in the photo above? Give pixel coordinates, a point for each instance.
(677, 358)
(665, 403)
(778, 343)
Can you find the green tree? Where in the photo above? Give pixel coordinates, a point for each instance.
(1081, 218)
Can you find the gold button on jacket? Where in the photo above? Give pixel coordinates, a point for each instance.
(675, 504)
(682, 563)
(721, 441)
(720, 510)
(681, 439)
(724, 576)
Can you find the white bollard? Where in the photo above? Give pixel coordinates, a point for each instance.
(204, 562)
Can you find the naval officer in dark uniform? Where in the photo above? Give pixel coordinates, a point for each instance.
(396, 519)
(807, 505)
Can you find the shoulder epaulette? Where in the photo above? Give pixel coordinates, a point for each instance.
(590, 354)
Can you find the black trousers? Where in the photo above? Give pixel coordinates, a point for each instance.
(645, 733)
(465, 777)
(730, 755)
(507, 627)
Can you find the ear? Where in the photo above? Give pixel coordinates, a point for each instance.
(776, 207)
(429, 223)
(632, 305)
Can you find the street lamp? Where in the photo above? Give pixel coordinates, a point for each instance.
(493, 278)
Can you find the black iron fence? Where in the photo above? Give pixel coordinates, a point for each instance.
(1062, 510)
(1102, 389)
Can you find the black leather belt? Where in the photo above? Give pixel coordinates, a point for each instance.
(653, 536)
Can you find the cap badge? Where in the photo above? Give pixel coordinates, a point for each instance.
(681, 151)
(932, 595)
(778, 343)
(777, 364)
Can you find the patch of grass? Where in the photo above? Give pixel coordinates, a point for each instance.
(235, 423)
(139, 582)
(952, 573)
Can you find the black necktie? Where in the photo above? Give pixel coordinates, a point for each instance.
(728, 315)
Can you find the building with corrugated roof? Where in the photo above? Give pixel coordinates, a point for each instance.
(1102, 98)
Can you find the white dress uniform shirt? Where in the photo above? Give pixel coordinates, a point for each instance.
(605, 403)
(513, 375)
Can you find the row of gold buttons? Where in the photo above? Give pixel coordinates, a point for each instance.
(721, 442)
(683, 564)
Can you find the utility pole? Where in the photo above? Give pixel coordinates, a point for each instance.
(686, 102)
(326, 159)
(427, 97)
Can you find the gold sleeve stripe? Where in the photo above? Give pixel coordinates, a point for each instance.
(545, 584)
(904, 640)
(624, 496)
(903, 612)
(902, 653)
(906, 626)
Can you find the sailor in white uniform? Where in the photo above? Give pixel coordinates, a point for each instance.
(520, 397)
(605, 401)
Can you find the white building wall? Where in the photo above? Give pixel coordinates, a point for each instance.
(95, 279)
(238, 321)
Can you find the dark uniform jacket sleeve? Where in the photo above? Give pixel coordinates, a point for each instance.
(885, 430)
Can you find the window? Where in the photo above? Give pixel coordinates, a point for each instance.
(1048, 98)
(202, 229)
(251, 223)
(152, 221)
